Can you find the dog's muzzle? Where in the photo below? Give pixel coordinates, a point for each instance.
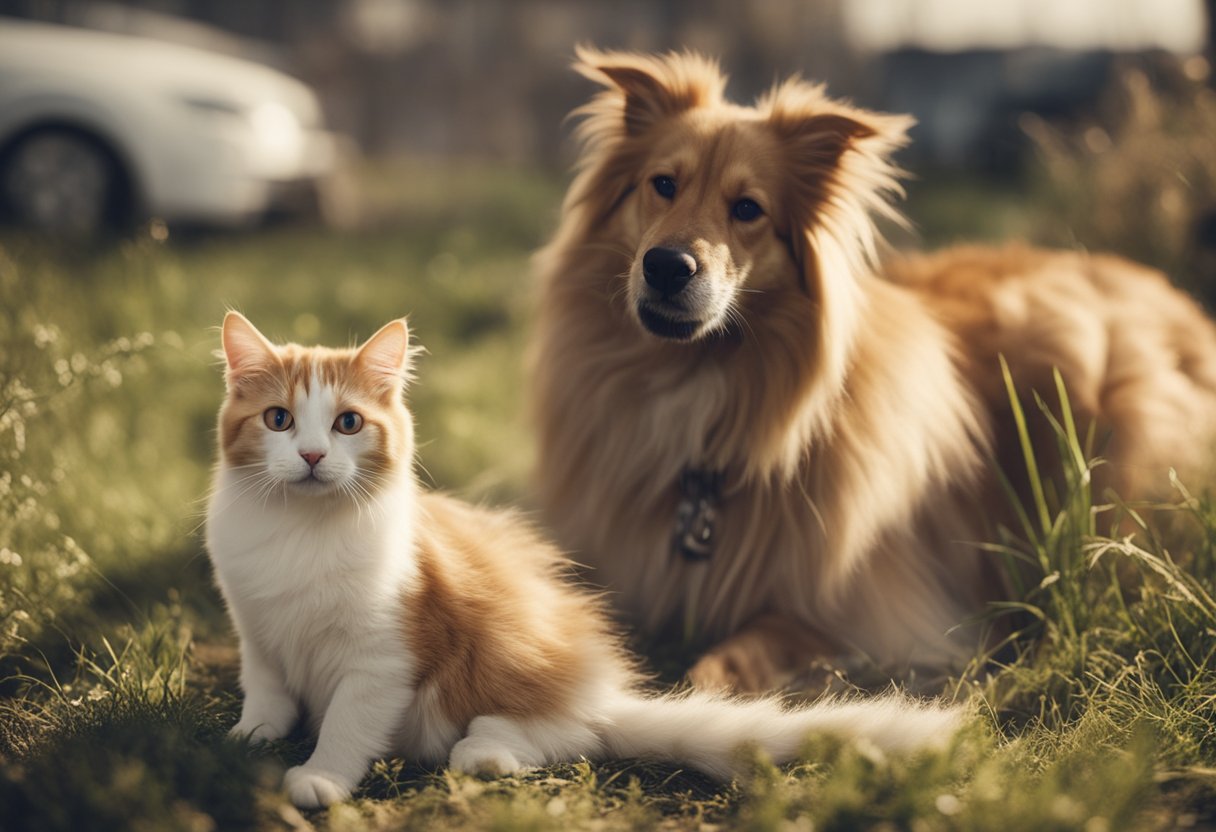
(661, 309)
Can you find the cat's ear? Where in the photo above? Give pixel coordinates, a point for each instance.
(246, 351)
(386, 355)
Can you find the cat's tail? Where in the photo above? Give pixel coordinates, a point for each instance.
(706, 731)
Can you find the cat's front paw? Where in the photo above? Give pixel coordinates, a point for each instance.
(254, 734)
(311, 788)
(483, 757)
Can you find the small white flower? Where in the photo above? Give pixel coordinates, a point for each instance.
(948, 804)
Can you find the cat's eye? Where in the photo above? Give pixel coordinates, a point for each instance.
(278, 418)
(665, 186)
(348, 423)
(746, 210)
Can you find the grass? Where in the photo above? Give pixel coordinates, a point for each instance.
(1146, 143)
(117, 666)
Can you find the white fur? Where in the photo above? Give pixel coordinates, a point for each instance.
(706, 731)
(314, 584)
(314, 592)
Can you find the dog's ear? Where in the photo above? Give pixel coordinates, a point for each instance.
(821, 139)
(648, 88)
(822, 136)
(839, 176)
(838, 158)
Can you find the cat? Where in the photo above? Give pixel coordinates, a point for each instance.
(408, 623)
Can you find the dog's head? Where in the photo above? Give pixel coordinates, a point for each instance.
(722, 202)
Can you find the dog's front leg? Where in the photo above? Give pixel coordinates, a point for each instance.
(767, 653)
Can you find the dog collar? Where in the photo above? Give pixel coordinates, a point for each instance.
(695, 534)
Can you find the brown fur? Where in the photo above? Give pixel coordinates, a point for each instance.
(850, 410)
(1138, 356)
(493, 626)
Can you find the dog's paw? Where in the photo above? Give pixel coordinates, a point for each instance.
(311, 788)
(712, 673)
(733, 668)
(483, 757)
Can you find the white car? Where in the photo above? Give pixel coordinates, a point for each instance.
(99, 129)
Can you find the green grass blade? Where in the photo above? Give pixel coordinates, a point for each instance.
(1032, 468)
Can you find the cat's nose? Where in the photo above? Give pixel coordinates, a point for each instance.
(312, 457)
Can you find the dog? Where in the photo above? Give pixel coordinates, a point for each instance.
(750, 429)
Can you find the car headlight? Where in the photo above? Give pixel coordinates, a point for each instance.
(274, 141)
(277, 129)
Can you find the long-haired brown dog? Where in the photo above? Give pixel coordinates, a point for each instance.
(747, 427)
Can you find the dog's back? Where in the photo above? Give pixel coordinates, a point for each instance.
(1137, 356)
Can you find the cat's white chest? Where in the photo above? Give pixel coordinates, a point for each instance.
(317, 593)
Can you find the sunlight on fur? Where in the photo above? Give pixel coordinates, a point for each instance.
(713, 303)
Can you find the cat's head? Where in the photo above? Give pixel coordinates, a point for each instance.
(316, 421)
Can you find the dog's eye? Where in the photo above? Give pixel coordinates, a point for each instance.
(745, 210)
(665, 186)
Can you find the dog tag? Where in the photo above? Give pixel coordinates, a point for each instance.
(697, 514)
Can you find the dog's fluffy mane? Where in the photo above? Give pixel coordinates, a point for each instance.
(844, 178)
(850, 415)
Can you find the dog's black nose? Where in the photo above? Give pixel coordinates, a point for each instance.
(668, 269)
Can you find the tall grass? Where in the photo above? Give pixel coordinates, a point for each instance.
(1116, 657)
(1137, 175)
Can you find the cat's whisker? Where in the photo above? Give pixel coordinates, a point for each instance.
(270, 490)
(263, 484)
(347, 488)
(419, 466)
(363, 497)
(260, 480)
(256, 467)
(215, 490)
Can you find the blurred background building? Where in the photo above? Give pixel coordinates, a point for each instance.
(489, 78)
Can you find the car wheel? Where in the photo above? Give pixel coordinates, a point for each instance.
(59, 182)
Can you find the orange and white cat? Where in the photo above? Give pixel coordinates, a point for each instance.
(408, 623)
